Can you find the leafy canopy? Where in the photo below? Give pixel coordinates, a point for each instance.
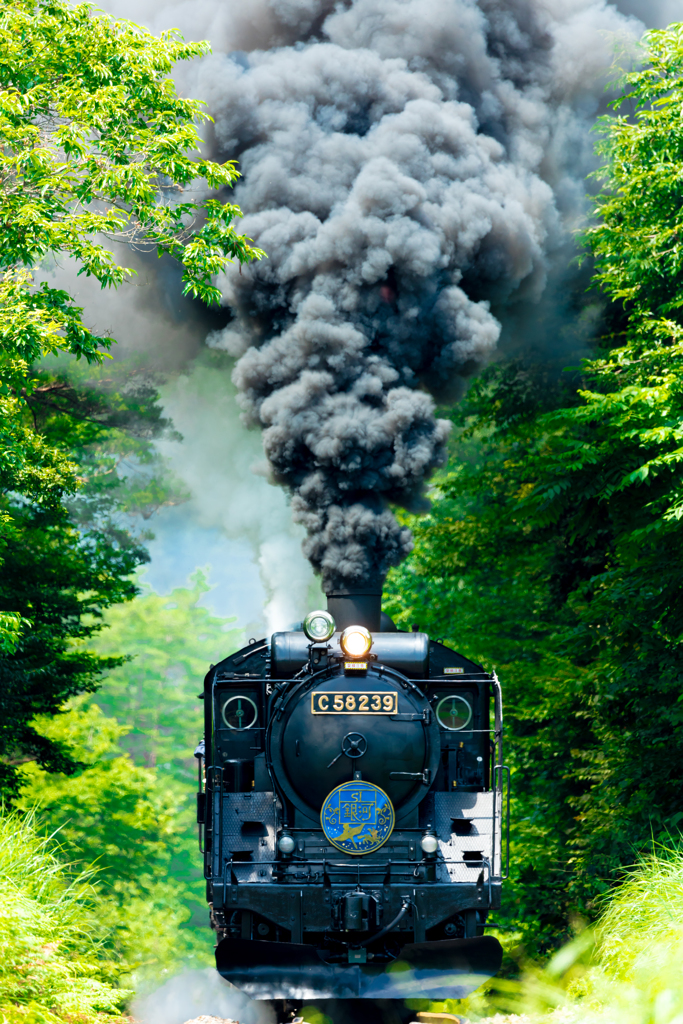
(95, 141)
(95, 147)
(637, 241)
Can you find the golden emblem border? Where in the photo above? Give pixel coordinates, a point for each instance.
(357, 853)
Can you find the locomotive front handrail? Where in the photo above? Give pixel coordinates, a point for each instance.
(200, 794)
(504, 770)
(486, 861)
(425, 776)
(498, 714)
(213, 771)
(250, 653)
(374, 866)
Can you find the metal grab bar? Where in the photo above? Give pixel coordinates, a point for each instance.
(375, 867)
(503, 770)
(214, 789)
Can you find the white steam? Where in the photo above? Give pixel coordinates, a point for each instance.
(199, 992)
(219, 462)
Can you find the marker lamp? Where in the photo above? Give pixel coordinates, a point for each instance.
(319, 626)
(286, 844)
(355, 641)
(429, 843)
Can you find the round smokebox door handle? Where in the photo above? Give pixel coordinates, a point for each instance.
(354, 744)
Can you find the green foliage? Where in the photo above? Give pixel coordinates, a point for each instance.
(130, 808)
(64, 565)
(11, 628)
(628, 968)
(557, 545)
(52, 970)
(495, 589)
(637, 242)
(108, 418)
(59, 580)
(170, 641)
(95, 141)
(110, 812)
(119, 818)
(642, 923)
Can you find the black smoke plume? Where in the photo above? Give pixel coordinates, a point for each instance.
(414, 170)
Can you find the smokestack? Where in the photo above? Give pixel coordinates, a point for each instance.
(357, 606)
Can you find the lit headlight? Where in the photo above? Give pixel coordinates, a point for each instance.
(355, 641)
(319, 626)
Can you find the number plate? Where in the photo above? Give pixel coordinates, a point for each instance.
(344, 702)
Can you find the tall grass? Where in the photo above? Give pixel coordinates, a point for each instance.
(629, 969)
(135, 825)
(642, 925)
(51, 969)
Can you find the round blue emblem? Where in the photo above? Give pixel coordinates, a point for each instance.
(357, 817)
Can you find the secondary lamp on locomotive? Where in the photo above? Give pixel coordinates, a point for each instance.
(352, 810)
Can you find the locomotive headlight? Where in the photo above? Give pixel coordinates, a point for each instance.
(429, 843)
(355, 641)
(286, 844)
(319, 626)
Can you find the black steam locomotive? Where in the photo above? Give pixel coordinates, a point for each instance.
(352, 811)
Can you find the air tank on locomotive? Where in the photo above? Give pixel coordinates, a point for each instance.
(353, 810)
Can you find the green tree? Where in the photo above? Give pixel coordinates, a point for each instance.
(60, 580)
(63, 566)
(94, 143)
(130, 808)
(120, 820)
(559, 543)
(170, 641)
(494, 588)
(610, 477)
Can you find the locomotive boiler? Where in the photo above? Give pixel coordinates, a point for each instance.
(352, 803)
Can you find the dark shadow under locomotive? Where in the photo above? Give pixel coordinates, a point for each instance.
(386, 896)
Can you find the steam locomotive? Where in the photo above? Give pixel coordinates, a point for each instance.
(351, 800)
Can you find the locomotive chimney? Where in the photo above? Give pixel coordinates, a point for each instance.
(357, 606)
